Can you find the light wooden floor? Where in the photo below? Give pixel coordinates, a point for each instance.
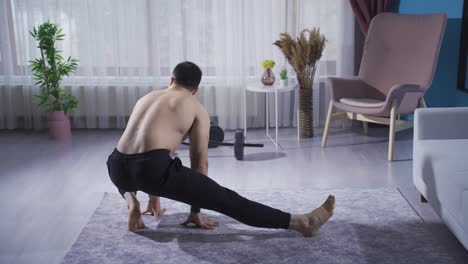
(49, 190)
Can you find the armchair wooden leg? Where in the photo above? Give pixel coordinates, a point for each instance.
(423, 199)
(327, 124)
(365, 126)
(391, 138)
(422, 103)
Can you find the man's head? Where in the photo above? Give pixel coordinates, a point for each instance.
(187, 74)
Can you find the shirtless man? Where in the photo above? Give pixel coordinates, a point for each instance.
(160, 121)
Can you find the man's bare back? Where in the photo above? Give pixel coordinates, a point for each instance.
(161, 119)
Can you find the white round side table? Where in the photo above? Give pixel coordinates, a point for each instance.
(258, 87)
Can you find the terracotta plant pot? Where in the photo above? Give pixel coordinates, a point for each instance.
(59, 126)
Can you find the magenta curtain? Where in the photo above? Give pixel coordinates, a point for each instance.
(365, 10)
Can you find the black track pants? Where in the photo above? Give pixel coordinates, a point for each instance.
(156, 173)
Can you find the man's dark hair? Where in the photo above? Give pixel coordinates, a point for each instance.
(187, 74)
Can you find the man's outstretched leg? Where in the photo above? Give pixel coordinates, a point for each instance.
(188, 186)
(135, 220)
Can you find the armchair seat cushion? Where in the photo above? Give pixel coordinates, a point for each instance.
(363, 102)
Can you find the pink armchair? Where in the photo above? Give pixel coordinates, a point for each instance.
(397, 67)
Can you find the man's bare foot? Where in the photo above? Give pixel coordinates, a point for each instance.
(309, 224)
(135, 221)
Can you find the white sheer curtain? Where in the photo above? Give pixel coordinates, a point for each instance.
(128, 48)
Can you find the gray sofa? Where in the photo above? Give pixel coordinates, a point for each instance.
(440, 164)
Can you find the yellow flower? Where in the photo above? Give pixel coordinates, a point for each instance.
(268, 64)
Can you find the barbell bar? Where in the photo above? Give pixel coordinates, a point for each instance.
(238, 144)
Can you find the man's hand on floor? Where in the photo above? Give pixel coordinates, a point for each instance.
(200, 222)
(154, 207)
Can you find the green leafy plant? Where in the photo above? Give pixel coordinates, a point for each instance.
(50, 68)
(283, 74)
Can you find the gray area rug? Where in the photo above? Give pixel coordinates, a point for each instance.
(369, 226)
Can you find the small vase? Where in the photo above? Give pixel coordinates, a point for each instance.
(59, 126)
(268, 78)
(283, 82)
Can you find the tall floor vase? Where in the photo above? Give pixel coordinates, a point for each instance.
(306, 81)
(305, 112)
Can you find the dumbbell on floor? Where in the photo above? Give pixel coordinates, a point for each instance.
(238, 145)
(216, 135)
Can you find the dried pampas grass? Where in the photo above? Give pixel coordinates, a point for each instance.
(303, 53)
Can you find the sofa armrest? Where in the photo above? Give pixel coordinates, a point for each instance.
(441, 123)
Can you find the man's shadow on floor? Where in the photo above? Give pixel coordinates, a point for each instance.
(261, 156)
(165, 233)
(224, 244)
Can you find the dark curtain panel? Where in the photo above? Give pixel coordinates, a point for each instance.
(365, 10)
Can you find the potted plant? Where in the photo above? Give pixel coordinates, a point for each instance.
(303, 54)
(268, 78)
(48, 71)
(284, 78)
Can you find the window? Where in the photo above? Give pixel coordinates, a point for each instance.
(147, 38)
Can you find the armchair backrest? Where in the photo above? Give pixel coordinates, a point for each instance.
(402, 49)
